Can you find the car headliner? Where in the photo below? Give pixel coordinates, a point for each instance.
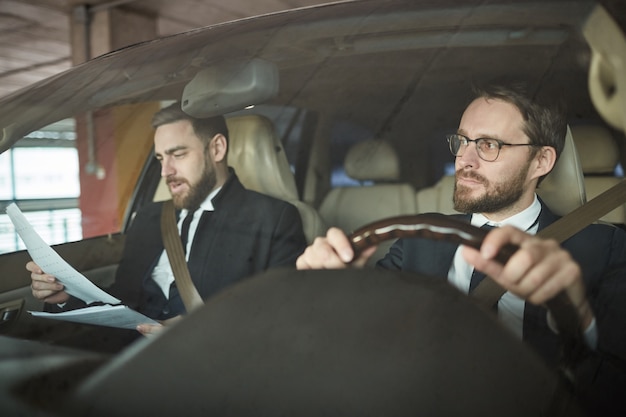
(397, 59)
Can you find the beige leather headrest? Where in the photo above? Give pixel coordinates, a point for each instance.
(597, 149)
(607, 78)
(253, 148)
(374, 160)
(563, 189)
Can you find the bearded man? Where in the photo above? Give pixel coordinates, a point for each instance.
(506, 143)
(230, 233)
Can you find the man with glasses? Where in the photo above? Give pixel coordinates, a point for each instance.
(506, 143)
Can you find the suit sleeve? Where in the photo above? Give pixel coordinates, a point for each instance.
(609, 305)
(288, 241)
(601, 375)
(607, 295)
(394, 257)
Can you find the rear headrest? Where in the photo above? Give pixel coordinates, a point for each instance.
(597, 149)
(253, 148)
(563, 189)
(374, 160)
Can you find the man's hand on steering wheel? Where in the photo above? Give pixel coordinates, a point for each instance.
(537, 272)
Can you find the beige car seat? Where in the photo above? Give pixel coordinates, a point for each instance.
(256, 154)
(599, 156)
(349, 208)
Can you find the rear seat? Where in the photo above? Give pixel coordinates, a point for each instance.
(352, 207)
(437, 198)
(599, 156)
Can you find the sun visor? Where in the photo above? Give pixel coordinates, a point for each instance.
(230, 87)
(607, 72)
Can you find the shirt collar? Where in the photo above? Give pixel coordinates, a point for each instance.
(524, 220)
(206, 205)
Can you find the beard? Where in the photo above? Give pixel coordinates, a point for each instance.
(198, 191)
(498, 196)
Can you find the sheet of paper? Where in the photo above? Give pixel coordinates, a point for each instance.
(103, 315)
(75, 283)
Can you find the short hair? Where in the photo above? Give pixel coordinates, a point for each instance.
(544, 120)
(204, 128)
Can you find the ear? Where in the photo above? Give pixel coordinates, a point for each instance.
(544, 161)
(218, 147)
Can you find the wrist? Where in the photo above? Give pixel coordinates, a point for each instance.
(585, 313)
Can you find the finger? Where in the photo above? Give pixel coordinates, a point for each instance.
(172, 321)
(497, 238)
(48, 289)
(45, 281)
(364, 256)
(475, 258)
(515, 275)
(340, 243)
(33, 267)
(149, 329)
(320, 255)
(530, 252)
(49, 296)
(38, 274)
(539, 270)
(330, 252)
(554, 274)
(58, 298)
(46, 285)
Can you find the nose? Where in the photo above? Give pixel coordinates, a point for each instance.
(469, 157)
(167, 167)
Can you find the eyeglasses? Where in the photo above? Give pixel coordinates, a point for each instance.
(488, 149)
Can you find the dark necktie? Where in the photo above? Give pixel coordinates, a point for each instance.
(184, 237)
(184, 232)
(478, 276)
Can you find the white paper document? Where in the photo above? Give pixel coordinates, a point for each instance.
(105, 315)
(76, 284)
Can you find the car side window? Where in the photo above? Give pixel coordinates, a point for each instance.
(40, 174)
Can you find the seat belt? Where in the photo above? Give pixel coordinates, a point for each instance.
(488, 292)
(174, 249)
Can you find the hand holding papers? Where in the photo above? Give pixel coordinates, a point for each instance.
(48, 260)
(75, 283)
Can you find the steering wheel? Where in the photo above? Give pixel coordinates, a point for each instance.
(431, 226)
(441, 227)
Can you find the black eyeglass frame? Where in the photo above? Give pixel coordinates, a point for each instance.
(478, 149)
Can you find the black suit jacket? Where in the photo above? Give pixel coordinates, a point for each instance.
(246, 234)
(596, 248)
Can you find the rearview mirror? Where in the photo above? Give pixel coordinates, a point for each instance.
(226, 88)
